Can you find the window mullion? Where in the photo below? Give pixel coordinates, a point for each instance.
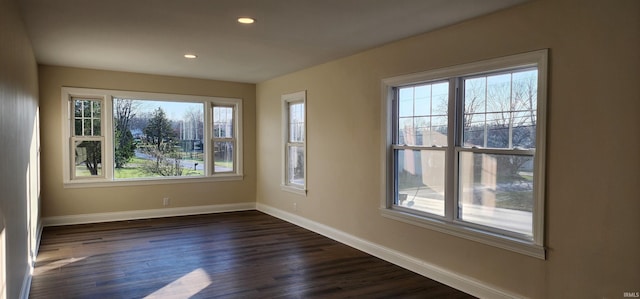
(499, 151)
(453, 139)
(511, 111)
(395, 123)
(208, 140)
(107, 129)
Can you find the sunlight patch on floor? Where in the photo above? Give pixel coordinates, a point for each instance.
(185, 286)
(43, 268)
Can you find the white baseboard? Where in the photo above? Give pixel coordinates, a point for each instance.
(145, 214)
(460, 282)
(26, 281)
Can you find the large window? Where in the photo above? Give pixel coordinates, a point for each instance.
(118, 137)
(294, 135)
(465, 150)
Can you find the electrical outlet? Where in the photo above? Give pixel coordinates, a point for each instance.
(165, 201)
(295, 206)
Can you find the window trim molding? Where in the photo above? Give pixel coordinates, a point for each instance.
(534, 248)
(107, 96)
(296, 97)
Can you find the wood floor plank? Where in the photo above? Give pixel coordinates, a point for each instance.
(228, 255)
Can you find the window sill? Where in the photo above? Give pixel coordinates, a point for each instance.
(94, 183)
(292, 189)
(462, 231)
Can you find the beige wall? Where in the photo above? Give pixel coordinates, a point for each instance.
(18, 151)
(592, 199)
(60, 201)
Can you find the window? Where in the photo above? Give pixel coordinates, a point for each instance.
(119, 138)
(464, 151)
(87, 139)
(224, 140)
(294, 136)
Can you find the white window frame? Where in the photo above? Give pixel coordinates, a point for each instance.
(74, 138)
(107, 97)
(287, 100)
(450, 223)
(237, 163)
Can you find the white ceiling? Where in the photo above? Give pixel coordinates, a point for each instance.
(151, 36)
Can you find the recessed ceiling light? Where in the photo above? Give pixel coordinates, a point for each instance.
(246, 20)
(190, 56)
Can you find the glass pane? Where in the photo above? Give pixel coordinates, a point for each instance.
(87, 131)
(437, 134)
(498, 93)
(406, 134)
(222, 122)
(223, 156)
(497, 130)
(406, 101)
(86, 109)
(524, 129)
(295, 165)
(77, 127)
(296, 122)
(88, 158)
(474, 130)
(422, 100)
(158, 139)
(421, 176)
(475, 95)
(525, 89)
(422, 116)
(77, 107)
(497, 191)
(96, 127)
(95, 111)
(440, 99)
(422, 126)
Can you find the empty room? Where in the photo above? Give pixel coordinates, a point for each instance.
(320, 149)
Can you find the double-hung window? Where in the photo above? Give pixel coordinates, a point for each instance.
(122, 138)
(224, 138)
(87, 138)
(464, 150)
(294, 142)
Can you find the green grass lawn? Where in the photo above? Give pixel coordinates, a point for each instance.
(131, 172)
(227, 164)
(134, 169)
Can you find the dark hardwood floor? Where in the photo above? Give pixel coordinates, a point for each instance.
(228, 255)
